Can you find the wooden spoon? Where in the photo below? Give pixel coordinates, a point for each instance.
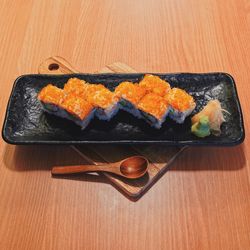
(131, 167)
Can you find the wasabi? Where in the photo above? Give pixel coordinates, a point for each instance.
(201, 128)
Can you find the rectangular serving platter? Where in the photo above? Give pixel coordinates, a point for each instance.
(26, 123)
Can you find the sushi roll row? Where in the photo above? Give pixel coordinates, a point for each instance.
(152, 99)
(79, 101)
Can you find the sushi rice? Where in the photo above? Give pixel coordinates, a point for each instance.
(62, 113)
(179, 116)
(129, 107)
(181, 104)
(107, 113)
(152, 120)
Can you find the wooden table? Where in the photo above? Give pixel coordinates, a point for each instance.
(202, 202)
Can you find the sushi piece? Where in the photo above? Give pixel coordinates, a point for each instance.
(130, 94)
(50, 97)
(154, 109)
(154, 84)
(181, 104)
(105, 101)
(76, 109)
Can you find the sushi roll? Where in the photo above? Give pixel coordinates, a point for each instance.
(76, 109)
(130, 94)
(50, 97)
(105, 101)
(181, 104)
(154, 84)
(154, 109)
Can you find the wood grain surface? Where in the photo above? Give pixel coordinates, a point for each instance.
(202, 202)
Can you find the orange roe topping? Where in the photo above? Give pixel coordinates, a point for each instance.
(51, 94)
(93, 88)
(155, 85)
(179, 99)
(102, 98)
(75, 86)
(154, 105)
(76, 106)
(130, 91)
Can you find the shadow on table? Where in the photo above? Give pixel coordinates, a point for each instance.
(30, 158)
(213, 158)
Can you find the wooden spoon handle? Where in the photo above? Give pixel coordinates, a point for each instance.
(57, 170)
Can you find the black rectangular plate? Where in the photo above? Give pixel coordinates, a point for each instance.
(27, 123)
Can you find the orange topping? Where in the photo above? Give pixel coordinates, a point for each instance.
(76, 106)
(51, 94)
(102, 98)
(130, 91)
(155, 84)
(154, 105)
(75, 86)
(179, 99)
(93, 88)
